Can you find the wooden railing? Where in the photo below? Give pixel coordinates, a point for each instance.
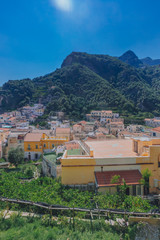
(92, 212)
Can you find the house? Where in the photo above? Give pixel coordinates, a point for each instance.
(152, 122)
(32, 146)
(155, 132)
(50, 166)
(35, 144)
(63, 133)
(89, 127)
(96, 162)
(115, 127)
(54, 124)
(77, 128)
(14, 140)
(97, 115)
(135, 128)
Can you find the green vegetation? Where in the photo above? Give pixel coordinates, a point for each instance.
(46, 228)
(51, 191)
(2, 160)
(145, 180)
(16, 156)
(86, 82)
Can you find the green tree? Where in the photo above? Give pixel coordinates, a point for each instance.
(121, 186)
(145, 180)
(16, 156)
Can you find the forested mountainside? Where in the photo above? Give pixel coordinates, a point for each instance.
(85, 82)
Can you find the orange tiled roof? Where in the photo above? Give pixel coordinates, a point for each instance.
(116, 123)
(76, 125)
(33, 137)
(83, 122)
(157, 129)
(63, 130)
(131, 177)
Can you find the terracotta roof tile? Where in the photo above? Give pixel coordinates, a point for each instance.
(131, 177)
(63, 130)
(157, 129)
(33, 137)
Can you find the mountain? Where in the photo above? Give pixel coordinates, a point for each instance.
(86, 82)
(130, 58)
(150, 62)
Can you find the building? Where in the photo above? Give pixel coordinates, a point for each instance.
(155, 132)
(77, 128)
(89, 127)
(14, 140)
(63, 133)
(152, 122)
(50, 167)
(97, 115)
(96, 162)
(35, 144)
(115, 127)
(78, 165)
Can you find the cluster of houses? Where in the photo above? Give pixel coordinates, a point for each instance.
(87, 154)
(102, 148)
(21, 118)
(152, 122)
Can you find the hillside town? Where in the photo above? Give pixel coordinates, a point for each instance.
(79, 120)
(88, 153)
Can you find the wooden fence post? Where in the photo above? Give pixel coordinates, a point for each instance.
(73, 220)
(91, 221)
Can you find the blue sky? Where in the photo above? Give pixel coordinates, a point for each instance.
(36, 35)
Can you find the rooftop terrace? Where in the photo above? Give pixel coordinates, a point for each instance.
(112, 148)
(74, 152)
(51, 157)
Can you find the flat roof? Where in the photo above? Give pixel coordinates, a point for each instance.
(51, 157)
(112, 148)
(74, 152)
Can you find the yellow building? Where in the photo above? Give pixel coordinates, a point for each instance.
(78, 166)
(37, 143)
(98, 161)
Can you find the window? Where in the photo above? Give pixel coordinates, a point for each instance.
(159, 161)
(36, 155)
(52, 145)
(36, 146)
(44, 145)
(29, 147)
(154, 134)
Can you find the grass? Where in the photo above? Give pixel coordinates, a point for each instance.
(16, 228)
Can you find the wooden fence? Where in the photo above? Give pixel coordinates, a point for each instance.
(92, 212)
